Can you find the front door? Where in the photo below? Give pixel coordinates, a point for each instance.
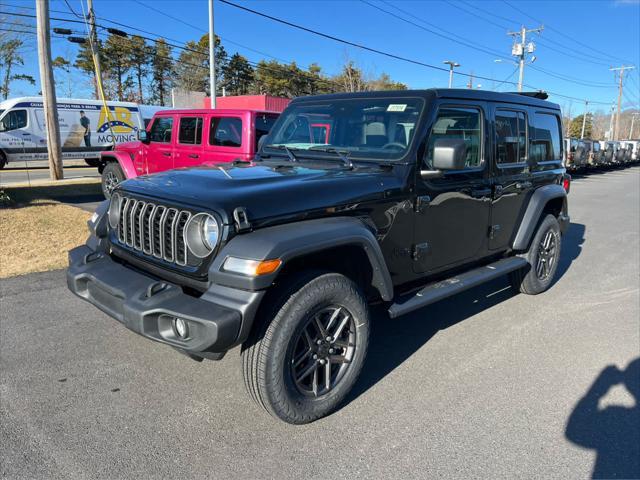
(452, 212)
(160, 147)
(512, 176)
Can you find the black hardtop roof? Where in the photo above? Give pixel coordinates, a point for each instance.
(432, 93)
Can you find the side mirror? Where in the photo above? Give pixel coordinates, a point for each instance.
(261, 141)
(449, 154)
(143, 136)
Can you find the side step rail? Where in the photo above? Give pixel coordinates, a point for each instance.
(451, 286)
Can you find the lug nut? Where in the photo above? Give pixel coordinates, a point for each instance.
(331, 350)
(315, 357)
(319, 342)
(328, 339)
(322, 361)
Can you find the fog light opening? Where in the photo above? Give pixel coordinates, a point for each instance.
(180, 328)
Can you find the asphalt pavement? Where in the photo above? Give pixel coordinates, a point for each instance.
(488, 384)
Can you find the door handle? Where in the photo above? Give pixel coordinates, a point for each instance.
(523, 185)
(194, 155)
(166, 154)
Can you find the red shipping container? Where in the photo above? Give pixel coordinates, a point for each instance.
(250, 102)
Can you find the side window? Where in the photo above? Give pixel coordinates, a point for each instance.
(14, 120)
(225, 132)
(511, 133)
(190, 132)
(263, 126)
(545, 144)
(457, 122)
(161, 130)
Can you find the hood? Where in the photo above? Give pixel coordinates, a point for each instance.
(128, 146)
(266, 191)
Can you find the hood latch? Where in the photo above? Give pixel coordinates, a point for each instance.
(242, 219)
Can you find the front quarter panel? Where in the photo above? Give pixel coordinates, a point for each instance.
(125, 161)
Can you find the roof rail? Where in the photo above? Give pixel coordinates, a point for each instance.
(540, 94)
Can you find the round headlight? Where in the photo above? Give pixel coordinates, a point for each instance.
(210, 232)
(202, 234)
(114, 210)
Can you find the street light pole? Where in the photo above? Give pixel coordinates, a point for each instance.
(584, 118)
(452, 65)
(212, 57)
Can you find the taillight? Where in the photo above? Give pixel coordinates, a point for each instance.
(566, 183)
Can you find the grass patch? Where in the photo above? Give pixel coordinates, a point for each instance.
(37, 231)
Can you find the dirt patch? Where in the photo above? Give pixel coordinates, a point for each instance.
(36, 236)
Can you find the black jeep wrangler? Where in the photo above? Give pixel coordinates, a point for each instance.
(403, 198)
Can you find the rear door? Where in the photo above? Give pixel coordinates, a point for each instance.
(160, 147)
(225, 138)
(188, 150)
(452, 212)
(511, 173)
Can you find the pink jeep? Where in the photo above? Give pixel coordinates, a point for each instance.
(185, 138)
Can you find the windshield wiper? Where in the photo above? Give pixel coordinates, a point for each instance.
(288, 150)
(343, 154)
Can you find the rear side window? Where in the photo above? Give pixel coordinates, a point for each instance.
(263, 126)
(13, 120)
(225, 132)
(545, 142)
(161, 130)
(511, 132)
(457, 122)
(190, 132)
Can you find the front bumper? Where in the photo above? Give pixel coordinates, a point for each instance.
(148, 305)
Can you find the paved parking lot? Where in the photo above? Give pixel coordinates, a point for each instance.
(487, 384)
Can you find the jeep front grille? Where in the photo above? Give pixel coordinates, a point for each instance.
(153, 229)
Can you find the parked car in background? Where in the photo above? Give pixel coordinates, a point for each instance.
(575, 154)
(594, 153)
(185, 138)
(628, 152)
(85, 128)
(635, 154)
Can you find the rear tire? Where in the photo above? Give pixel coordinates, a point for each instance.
(112, 176)
(543, 257)
(307, 350)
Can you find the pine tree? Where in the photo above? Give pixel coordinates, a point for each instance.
(162, 66)
(192, 67)
(117, 52)
(238, 75)
(139, 59)
(84, 63)
(11, 57)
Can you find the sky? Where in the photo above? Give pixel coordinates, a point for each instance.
(580, 40)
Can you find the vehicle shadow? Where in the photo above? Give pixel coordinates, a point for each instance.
(392, 341)
(614, 431)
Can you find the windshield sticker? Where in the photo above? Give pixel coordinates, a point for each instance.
(396, 107)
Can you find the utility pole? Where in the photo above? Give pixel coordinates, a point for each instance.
(610, 135)
(521, 49)
(470, 84)
(621, 70)
(452, 65)
(212, 57)
(584, 117)
(48, 91)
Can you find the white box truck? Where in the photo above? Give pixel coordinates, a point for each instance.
(85, 128)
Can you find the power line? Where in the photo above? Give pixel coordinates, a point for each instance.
(77, 15)
(606, 55)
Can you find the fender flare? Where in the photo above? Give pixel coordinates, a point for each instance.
(123, 159)
(292, 240)
(537, 203)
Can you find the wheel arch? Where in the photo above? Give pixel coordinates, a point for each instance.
(549, 199)
(341, 244)
(121, 158)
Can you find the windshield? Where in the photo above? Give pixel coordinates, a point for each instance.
(373, 128)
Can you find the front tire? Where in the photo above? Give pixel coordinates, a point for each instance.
(543, 257)
(300, 364)
(112, 175)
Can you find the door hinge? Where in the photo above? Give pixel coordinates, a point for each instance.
(422, 202)
(493, 231)
(419, 250)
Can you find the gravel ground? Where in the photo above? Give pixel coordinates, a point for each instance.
(487, 384)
